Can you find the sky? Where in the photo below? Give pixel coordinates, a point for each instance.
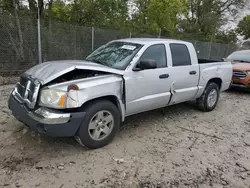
(234, 22)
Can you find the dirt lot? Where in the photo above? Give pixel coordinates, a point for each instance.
(181, 147)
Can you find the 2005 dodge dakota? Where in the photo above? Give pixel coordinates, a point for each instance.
(89, 99)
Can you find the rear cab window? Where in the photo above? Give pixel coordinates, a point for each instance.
(180, 55)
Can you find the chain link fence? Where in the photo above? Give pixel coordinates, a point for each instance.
(18, 43)
(62, 41)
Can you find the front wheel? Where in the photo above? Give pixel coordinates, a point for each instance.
(99, 125)
(209, 99)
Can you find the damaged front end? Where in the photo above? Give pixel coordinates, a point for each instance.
(67, 84)
(65, 91)
(43, 103)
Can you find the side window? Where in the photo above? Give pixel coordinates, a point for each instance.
(180, 55)
(156, 52)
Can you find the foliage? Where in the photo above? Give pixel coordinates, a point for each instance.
(59, 11)
(158, 16)
(244, 27)
(189, 19)
(100, 13)
(207, 16)
(226, 37)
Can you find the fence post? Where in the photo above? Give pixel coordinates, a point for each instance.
(130, 34)
(39, 36)
(159, 36)
(209, 50)
(75, 41)
(49, 51)
(227, 50)
(93, 38)
(218, 52)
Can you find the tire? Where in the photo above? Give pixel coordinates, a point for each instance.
(98, 111)
(204, 102)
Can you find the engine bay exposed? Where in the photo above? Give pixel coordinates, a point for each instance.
(76, 74)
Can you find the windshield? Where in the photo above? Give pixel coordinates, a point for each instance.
(115, 54)
(243, 56)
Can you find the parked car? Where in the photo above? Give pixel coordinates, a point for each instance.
(241, 68)
(88, 99)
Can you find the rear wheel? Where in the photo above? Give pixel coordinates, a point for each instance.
(99, 125)
(209, 99)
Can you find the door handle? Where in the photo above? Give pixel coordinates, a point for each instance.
(163, 76)
(192, 72)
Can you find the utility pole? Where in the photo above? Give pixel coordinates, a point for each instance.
(93, 38)
(39, 35)
(159, 36)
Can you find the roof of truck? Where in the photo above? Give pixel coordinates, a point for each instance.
(149, 40)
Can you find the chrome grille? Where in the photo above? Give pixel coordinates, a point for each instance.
(21, 86)
(23, 81)
(239, 74)
(31, 91)
(27, 90)
(21, 90)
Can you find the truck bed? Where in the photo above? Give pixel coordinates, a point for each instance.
(219, 69)
(202, 61)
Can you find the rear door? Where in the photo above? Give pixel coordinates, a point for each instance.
(183, 74)
(148, 89)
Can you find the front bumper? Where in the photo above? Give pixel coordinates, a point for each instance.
(241, 82)
(45, 121)
(239, 86)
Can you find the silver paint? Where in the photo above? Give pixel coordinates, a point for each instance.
(101, 125)
(48, 71)
(143, 89)
(212, 97)
(47, 116)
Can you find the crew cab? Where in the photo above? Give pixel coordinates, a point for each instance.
(90, 98)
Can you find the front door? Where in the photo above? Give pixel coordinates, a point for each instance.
(148, 89)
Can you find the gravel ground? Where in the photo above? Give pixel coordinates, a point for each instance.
(8, 80)
(178, 146)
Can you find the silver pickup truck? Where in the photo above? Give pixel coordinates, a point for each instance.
(89, 99)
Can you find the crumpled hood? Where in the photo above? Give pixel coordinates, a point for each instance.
(45, 72)
(241, 66)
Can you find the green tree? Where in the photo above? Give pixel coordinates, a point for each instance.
(99, 13)
(188, 19)
(58, 11)
(226, 37)
(207, 16)
(156, 16)
(244, 27)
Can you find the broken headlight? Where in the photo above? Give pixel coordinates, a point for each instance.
(53, 98)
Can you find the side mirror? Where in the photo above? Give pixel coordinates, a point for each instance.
(146, 64)
(223, 59)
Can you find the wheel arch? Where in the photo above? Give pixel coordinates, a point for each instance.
(112, 98)
(216, 80)
(203, 100)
